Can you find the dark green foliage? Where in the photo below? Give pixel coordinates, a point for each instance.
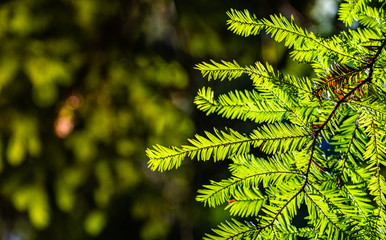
(79, 95)
(342, 188)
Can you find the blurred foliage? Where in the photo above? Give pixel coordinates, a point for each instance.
(85, 86)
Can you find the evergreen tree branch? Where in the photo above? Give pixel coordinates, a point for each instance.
(369, 66)
(342, 187)
(281, 29)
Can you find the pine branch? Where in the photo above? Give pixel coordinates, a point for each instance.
(248, 172)
(241, 105)
(247, 202)
(366, 81)
(343, 187)
(234, 230)
(245, 24)
(348, 11)
(278, 137)
(324, 219)
(220, 70)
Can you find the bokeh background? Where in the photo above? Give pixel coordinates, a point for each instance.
(87, 85)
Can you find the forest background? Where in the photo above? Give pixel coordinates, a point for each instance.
(87, 85)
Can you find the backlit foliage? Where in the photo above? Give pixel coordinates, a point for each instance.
(324, 136)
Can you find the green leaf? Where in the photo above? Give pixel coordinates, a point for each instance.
(234, 230)
(221, 70)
